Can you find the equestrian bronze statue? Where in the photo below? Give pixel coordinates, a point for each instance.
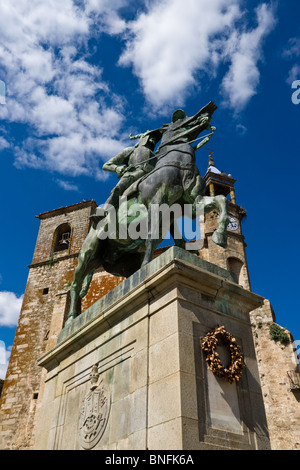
(148, 178)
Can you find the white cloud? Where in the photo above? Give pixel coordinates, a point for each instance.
(52, 86)
(4, 144)
(292, 52)
(10, 306)
(294, 74)
(241, 129)
(4, 358)
(242, 79)
(66, 185)
(74, 118)
(172, 41)
(293, 49)
(175, 41)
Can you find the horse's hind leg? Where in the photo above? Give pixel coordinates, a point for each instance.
(84, 268)
(86, 283)
(75, 290)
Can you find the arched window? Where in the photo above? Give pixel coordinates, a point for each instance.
(235, 266)
(62, 238)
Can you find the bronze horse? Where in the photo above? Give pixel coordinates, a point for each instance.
(175, 179)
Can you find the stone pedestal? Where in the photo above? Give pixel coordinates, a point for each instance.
(129, 372)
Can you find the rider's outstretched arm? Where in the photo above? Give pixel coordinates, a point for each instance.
(185, 134)
(206, 139)
(121, 159)
(134, 137)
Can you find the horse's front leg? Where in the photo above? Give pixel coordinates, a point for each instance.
(148, 252)
(178, 240)
(221, 204)
(150, 242)
(154, 228)
(220, 235)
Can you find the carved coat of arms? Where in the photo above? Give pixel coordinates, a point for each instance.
(94, 412)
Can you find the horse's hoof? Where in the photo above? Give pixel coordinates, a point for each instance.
(220, 238)
(180, 244)
(71, 317)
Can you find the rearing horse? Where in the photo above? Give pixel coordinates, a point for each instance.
(175, 179)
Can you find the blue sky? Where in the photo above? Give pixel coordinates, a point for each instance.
(80, 76)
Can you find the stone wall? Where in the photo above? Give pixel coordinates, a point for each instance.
(155, 391)
(42, 317)
(275, 359)
(44, 312)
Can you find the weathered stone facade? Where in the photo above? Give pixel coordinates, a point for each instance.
(46, 302)
(276, 361)
(42, 317)
(233, 257)
(142, 343)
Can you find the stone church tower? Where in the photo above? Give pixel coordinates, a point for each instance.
(233, 257)
(45, 306)
(46, 303)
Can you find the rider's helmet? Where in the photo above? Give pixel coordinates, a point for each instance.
(178, 114)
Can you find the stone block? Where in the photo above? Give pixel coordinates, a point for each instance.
(166, 435)
(164, 400)
(163, 358)
(145, 338)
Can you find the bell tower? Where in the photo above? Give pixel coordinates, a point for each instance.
(233, 257)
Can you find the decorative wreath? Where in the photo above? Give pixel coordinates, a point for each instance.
(209, 346)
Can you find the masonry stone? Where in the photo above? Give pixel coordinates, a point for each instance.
(41, 319)
(156, 320)
(145, 339)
